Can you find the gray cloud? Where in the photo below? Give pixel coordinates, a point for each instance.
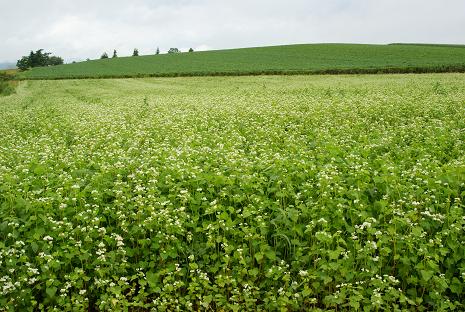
(80, 29)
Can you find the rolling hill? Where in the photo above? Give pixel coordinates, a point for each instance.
(290, 59)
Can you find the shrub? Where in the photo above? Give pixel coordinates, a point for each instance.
(6, 87)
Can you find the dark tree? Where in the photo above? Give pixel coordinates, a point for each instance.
(191, 50)
(104, 56)
(158, 51)
(114, 54)
(24, 63)
(32, 59)
(135, 53)
(55, 60)
(174, 50)
(38, 58)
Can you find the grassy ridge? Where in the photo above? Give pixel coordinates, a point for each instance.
(291, 59)
(444, 45)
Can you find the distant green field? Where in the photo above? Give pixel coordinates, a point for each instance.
(291, 59)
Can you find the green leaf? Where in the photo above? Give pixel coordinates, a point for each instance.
(334, 254)
(354, 304)
(40, 170)
(3, 226)
(51, 291)
(206, 301)
(152, 279)
(270, 254)
(254, 272)
(426, 275)
(456, 286)
(307, 291)
(34, 246)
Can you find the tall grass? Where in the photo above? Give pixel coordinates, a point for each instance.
(6, 85)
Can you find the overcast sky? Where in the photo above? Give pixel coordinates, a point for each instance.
(82, 29)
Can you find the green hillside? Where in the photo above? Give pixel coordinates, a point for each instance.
(291, 59)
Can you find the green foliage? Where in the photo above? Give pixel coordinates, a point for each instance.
(114, 54)
(104, 56)
(54, 60)
(289, 60)
(38, 59)
(234, 194)
(135, 53)
(23, 63)
(173, 50)
(6, 86)
(158, 51)
(191, 50)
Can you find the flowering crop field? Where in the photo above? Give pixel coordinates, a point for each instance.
(265, 193)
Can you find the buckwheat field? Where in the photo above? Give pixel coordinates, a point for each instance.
(276, 193)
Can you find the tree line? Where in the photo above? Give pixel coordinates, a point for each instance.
(38, 59)
(136, 52)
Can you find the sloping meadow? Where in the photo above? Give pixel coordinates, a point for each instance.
(281, 60)
(231, 194)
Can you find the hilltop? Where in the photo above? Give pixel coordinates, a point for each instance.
(289, 59)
